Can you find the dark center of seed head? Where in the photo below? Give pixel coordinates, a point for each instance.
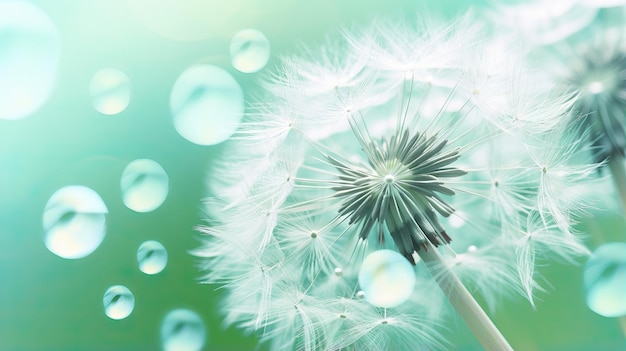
(400, 192)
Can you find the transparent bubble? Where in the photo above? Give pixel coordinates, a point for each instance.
(30, 48)
(144, 185)
(206, 104)
(182, 330)
(110, 91)
(118, 302)
(605, 280)
(249, 50)
(386, 278)
(74, 222)
(151, 257)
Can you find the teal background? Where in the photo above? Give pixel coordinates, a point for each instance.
(50, 303)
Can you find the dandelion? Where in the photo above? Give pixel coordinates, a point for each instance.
(597, 74)
(591, 66)
(589, 62)
(406, 144)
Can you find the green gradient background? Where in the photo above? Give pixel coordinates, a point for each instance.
(49, 303)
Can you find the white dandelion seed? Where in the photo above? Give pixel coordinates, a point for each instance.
(401, 137)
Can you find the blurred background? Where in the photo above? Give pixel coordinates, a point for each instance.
(88, 87)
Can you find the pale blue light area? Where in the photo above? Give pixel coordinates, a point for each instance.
(29, 55)
(182, 330)
(145, 185)
(110, 91)
(206, 104)
(118, 302)
(605, 280)
(74, 222)
(192, 20)
(151, 257)
(249, 51)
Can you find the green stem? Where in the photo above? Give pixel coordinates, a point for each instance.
(466, 306)
(618, 173)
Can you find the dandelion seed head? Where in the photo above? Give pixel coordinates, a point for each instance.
(602, 99)
(362, 154)
(595, 78)
(400, 187)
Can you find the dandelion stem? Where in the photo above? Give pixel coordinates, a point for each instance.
(466, 306)
(618, 174)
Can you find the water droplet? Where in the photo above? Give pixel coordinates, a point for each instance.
(249, 50)
(387, 278)
(118, 302)
(182, 330)
(605, 280)
(110, 91)
(206, 104)
(151, 257)
(74, 222)
(29, 54)
(144, 185)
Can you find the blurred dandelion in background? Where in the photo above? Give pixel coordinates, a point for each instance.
(588, 61)
(407, 146)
